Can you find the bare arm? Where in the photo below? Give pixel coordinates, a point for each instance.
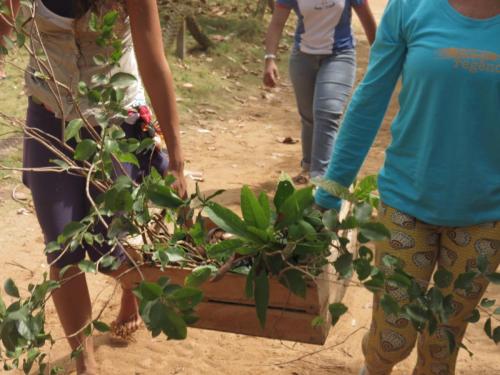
(273, 36)
(367, 19)
(6, 19)
(157, 77)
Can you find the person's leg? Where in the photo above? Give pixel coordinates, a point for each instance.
(459, 250)
(391, 338)
(303, 70)
(58, 199)
(334, 84)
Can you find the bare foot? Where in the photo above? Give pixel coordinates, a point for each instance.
(85, 362)
(128, 320)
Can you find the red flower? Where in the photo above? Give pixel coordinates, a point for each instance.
(145, 114)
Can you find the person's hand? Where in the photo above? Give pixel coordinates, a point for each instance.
(271, 74)
(180, 184)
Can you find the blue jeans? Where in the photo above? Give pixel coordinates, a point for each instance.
(322, 85)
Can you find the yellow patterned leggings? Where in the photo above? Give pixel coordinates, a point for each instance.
(420, 247)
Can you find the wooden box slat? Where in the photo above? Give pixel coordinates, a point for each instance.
(225, 308)
(231, 288)
(242, 319)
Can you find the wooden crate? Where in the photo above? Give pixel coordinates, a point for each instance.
(225, 308)
(289, 317)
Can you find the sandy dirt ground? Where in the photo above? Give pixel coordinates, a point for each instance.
(240, 149)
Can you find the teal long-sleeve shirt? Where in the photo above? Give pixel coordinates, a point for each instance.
(443, 164)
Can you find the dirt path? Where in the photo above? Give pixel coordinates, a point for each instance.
(242, 149)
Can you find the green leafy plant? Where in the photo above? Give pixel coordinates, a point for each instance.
(284, 237)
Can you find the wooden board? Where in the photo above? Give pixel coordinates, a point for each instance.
(231, 288)
(225, 308)
(281, 324)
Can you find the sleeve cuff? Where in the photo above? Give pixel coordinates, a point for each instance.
(327, 200)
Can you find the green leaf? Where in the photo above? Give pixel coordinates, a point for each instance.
(294, 280)
(70, 230)
(416, 313)
(163, 318)
(292, 209)
(494, 277)
(487, 328)
(93, 22)
(110, 18)
(224, 249)
(374, 231)
(264, 203)
(7, 42)
(497, 311)
(365, 187)
(228, 220)
(389, 304)
(99, 60)
(186, 298)
(261, 293)
(482, 263)
(11, 288)
(249, 286)
(253, 214)
(443, 278)
(318, 321)
(148, 291)
(452, 341)
(285, 189)
(337, 310)
(391, 261)
(85, 149)
(363, 212)
(474, 317)
(164, 196)
(3, 308)
(343, 265)
(87, 266)
(127, 157)
(52, 247)
(72, 130)
(198, 276)
(363, 268)
(496, 335)
(330, 219)
(120, 226)
(487, 303)
(146, 144)
(100, 326)
(20, 39)
(464, 280)
(122, 80)
(401, 279)
(176, 254)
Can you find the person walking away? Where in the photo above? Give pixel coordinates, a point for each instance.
(322, 70)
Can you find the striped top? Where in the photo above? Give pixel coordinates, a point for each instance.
(324, 26)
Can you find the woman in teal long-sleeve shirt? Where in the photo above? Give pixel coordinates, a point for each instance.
(440, 183)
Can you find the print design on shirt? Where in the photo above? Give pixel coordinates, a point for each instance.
(472, 60)
(325, 4)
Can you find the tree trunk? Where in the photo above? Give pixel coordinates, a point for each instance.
(195, 30)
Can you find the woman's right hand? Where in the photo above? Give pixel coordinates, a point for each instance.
(271, 75)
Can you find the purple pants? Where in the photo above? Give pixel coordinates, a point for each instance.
(60, 198)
